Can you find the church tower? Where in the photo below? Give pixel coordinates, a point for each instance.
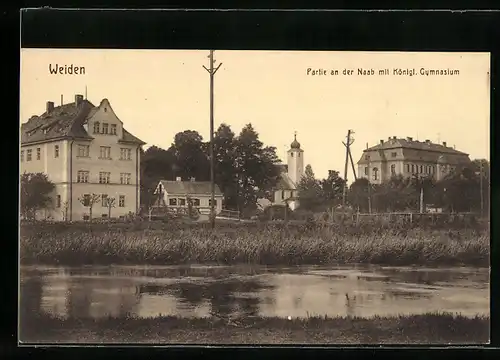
(295, 161)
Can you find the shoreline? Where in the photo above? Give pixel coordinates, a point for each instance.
(442, 328)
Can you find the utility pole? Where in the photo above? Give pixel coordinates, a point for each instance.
(212, 72)
(347, 144)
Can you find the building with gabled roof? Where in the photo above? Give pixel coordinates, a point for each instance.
(408, 157)
(175, 195)
(84, 149)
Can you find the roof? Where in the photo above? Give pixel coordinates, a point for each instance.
(189, 187)
(285, 182)
(413, 150)
(65, 121)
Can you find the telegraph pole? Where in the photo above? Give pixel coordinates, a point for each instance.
(212, 72)
(347, 144)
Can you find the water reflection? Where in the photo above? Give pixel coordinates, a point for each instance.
(199, 291)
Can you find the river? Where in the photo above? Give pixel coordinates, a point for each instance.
(227, 291)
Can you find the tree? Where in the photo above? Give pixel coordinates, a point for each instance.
(332, 188)
(89, 200)
(225, 159)
(255, 168)
(35, 193)
(110, 203)
(358, 194)
(190, 155)
(310, 191)
(156, 164)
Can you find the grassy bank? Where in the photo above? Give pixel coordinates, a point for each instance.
(270, 245)
(417, 329)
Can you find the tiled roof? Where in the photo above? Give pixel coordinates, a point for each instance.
(189, 187)
(413, 151)
(65, 121)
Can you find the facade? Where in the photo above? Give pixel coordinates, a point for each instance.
(409, 157)
(84, 150)
(175, 194)
(291, 174)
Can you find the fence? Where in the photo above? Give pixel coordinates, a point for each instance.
(409, 217)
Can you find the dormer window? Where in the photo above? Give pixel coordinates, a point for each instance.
(96, 127)
(113, 129)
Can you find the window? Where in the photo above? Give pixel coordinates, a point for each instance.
(58, 201)
(375, 173)
(282, 194)
(113, 129)
(125, 178)
(38, 153)
(172, 202)
(393, 169)
(96, 127)
(210, 202)
(298, 154)
(196, 202)
(82, 176)
(182, 202)
(421, 169)
(367, 157)
(407, 166)
(366, 170)
(86, 200)
(412, 168)
(291, 154)
(22, 155)
(104, 200)
(121, 201)
(104, 177)
(28, 155)
(394, 154)
(125, 154)
(105, 152)
(56, 151)
(83, 150)
(86, 217)
(104, 215)
(104, 128)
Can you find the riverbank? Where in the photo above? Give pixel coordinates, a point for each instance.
(415, 329)
(266, 245)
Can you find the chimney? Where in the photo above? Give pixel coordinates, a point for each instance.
(178, 178)
(409, 138)
(389, 138)
(78, 99)
(381, 142)
(427, 141)
(50, 106)
(62, 103)
(393, 138)
(192, 179)
(444, 143)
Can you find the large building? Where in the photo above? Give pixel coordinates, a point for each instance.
(408, 157)
(85, 151)
(290, 176)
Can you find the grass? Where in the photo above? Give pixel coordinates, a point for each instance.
(266, 244)
(415, 329)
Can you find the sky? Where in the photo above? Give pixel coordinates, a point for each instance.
(158, 93)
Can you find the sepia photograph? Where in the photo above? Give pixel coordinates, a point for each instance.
(254, 197)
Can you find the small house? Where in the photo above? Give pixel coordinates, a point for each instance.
(177, 194)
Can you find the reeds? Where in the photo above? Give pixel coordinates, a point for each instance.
(267, 245)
